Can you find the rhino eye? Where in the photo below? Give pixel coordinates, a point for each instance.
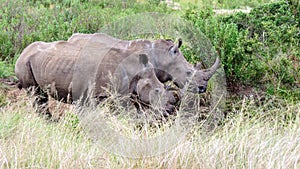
(173, 51)
(157, 90)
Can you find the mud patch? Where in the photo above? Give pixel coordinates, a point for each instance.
(10, 94)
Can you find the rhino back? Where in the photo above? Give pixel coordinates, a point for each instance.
(81, 40)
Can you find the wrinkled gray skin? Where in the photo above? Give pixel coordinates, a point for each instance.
(50, 68)
(166, 57)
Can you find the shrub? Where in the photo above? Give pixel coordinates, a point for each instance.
(259, 48)
(24, 22)
(5, 69)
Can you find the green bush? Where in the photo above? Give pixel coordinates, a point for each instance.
(6, 69)
(23, 22)
(273, 33)
(257, 49)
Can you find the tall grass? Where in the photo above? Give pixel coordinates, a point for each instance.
(265, 136)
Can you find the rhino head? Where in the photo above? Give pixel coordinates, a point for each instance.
(200, 78)
(149, 90)
(170, 64)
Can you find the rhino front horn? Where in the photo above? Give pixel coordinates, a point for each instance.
(210, 71)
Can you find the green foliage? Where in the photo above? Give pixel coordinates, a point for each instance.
(261, 47)
(189, 54)
(154, 2)
(24, 22)
(272, 42)
(6, 69)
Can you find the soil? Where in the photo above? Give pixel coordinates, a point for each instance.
(8, 87)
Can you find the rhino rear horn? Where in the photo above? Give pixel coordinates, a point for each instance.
(210, 71)
(198, 66)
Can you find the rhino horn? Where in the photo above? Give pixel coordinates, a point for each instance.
(210, 71)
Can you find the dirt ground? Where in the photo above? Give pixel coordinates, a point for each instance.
(12, 94)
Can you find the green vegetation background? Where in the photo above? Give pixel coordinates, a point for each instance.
(260, 49)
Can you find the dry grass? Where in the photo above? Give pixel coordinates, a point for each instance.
(265, 136)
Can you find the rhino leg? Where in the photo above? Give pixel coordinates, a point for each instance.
(41, 102)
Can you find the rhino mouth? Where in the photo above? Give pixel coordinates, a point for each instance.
(169, 111)
(201, 89)
(197, 89)
(173, 104)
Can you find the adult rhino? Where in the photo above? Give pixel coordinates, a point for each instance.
(63, 70)
(165, 55)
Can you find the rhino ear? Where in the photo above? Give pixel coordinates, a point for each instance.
(179, 42)
(143, 59)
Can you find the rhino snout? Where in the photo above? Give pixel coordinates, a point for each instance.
(169, 110)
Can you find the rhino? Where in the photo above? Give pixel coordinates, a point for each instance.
(165, 55)
(62, 70)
